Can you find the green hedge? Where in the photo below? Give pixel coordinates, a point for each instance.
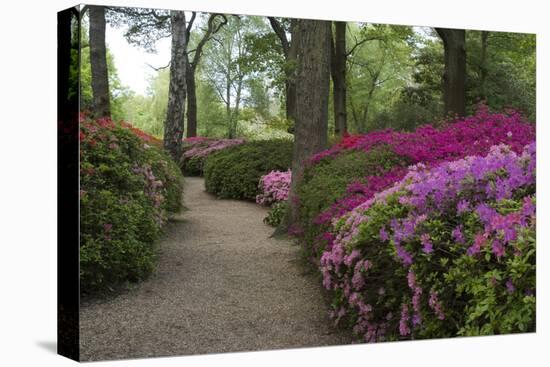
(326, 182)
(193, 166)
(127, 188)
(234, 173)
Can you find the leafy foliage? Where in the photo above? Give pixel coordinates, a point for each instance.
(197, 149)
(119, 94)
(276, 214)
(234, 173)
(128, 185)
(326, 182)
(447, 251)
(354, 169)
(273, 191)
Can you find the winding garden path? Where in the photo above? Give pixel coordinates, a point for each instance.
(221, 285)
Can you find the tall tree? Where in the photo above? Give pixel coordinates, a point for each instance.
(454, 76)
(211, 29)
(98, 61)
(173, 125)
(226, 68)
(338, 71)
(290, 51)
(64, 46)
(312, 90)
(483, 63)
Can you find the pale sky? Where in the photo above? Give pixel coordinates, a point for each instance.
(131, 61)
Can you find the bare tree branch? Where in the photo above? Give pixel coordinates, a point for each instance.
(190, 25)
(210, 31)
(360, 43)
(159, 68)
(280, 32)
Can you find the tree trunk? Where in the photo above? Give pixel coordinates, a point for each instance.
(454, 77)
(289, 51)
(98, 62)
(338, 70)
(290, 75)
(235, 119)
(312, 90)
(173, 126)
(228, 106)
(192, 68)
(64, 45)
(191, 102)
(483, 64)
(290, 101)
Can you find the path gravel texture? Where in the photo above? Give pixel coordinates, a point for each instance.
(221, 285)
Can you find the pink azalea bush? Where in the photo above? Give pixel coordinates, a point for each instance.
(197, 149)
(274, 187)
(431, 146)
(471, 135)
(448, 250)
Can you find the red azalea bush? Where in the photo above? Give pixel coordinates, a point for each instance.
(197, 149)
(148, 138)
(127, 186)
(377, 160)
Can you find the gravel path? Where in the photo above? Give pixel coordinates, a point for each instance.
(221, 285)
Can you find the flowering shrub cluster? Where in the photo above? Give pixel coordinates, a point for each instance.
(148, 138)
(448, 250)
(197, 149)
(274, 188)
(383, 157)
(472, 135)
(127, 186)
(234, 172)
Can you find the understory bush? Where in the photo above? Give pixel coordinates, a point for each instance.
(276, 214)
(273, 192)
(324, 183)
(197, 149)
(352, 171)
(127, 187)
(449, 250)
(234, 172)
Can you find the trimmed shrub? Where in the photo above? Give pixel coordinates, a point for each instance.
(446, 251)
(197, 149)
(234, 172)
(329, 180)
(127, 186)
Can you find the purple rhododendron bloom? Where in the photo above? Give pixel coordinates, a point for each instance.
(510, 286)
(462, 206)
(498, 248)
(384, 235)
(404, 329)
(427, 245)
(464, 174)
(457, 234)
